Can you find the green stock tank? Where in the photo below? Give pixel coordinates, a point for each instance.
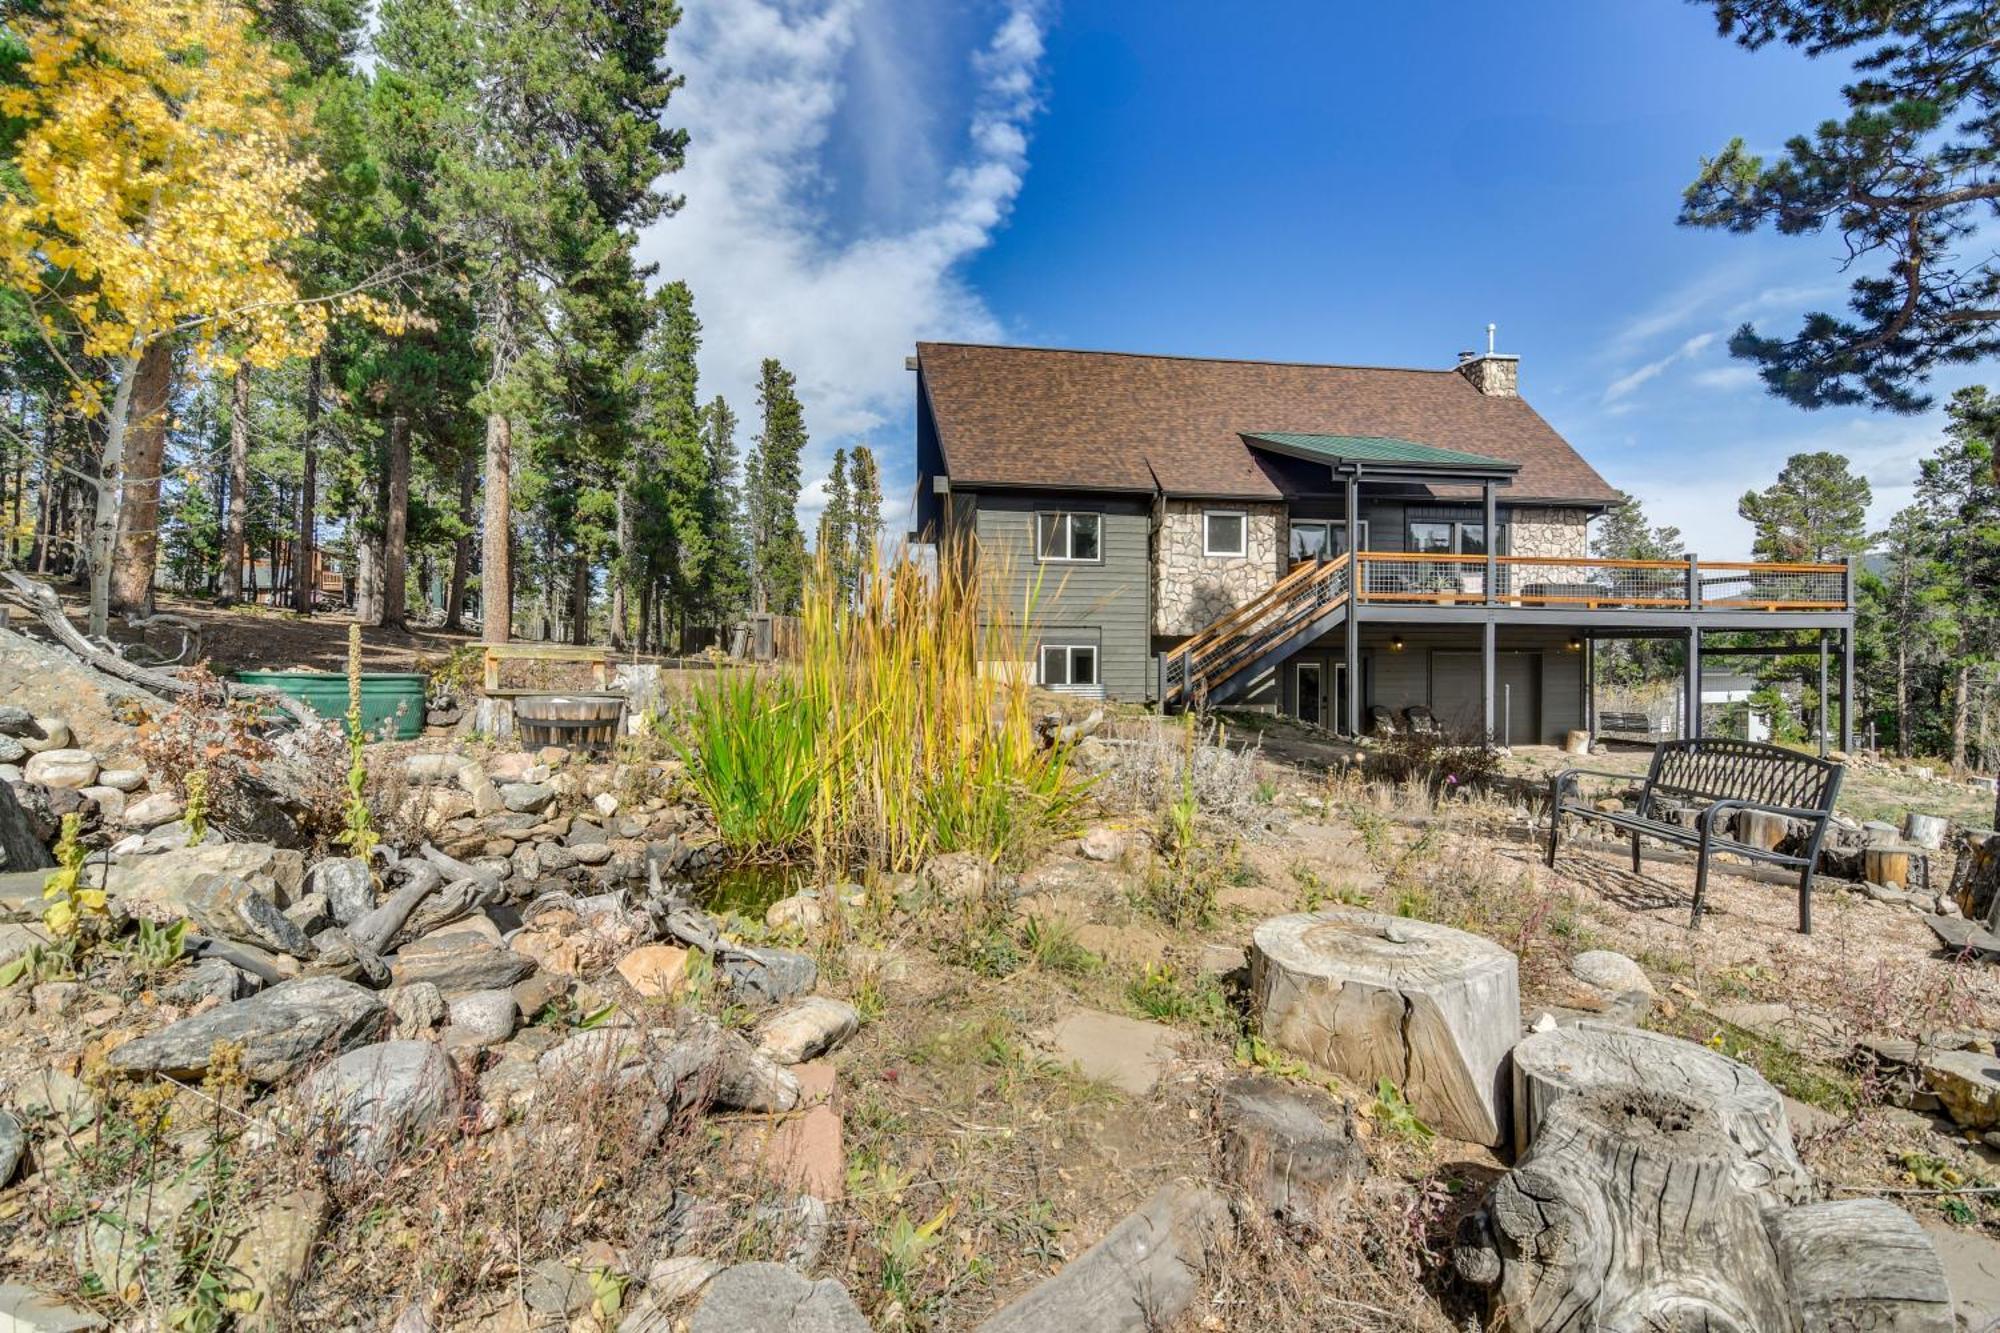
(392, 702)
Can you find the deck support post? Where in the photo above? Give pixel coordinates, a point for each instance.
(1847, 690)
(1488, 633)
(1351, 705)
(1590, 686)
(1822, 694)
(1691, 728)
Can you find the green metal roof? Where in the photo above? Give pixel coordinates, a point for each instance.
(1379, 449)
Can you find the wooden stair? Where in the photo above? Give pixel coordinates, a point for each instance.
(1219, 663)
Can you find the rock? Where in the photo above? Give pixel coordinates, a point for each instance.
(417, 1009)
(25, 1310)
(1128, 1053)
(150, 811)
(348, 885)
(654, 970)
(811, 1028)
(1968, 1083)
(12, 752)
(280, 1029)
(1291, 1149)
(1972, 1270)
(486, 1017)
(527, 797)
(13, 1147)
(460, 961)
(1612, 973)
(231, 908)
(47, 733)
(959, 876)
(160, 880)
(15, 720)
(554, 858)
(309, 914)
(110, 801)
(605, 804)
(272, 1252)
(771, 1298)
(1102, 844)
(537, 993)
(678, 1277)
(73, 769)
(804, 911)
(770, 975)
(434, 767)
(374, 1103)
(207, 979)
(127, 780)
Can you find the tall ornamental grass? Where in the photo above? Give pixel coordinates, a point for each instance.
(905, 729)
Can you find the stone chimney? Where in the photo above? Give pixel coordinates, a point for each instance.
(1495, 374)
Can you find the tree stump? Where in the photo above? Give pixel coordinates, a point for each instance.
(1369, 997)
(1645, 1203)
(1886, 865)
(1976, 882)
(1925, 831)
(1761, 829)
(1550, 1066)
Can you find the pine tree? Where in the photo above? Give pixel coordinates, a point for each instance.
(1907, 178)
(864, 485)
(668, 488)
(836, 526)
(777, 546)
(1816, 511)
(1623, 533)
(1959, 488)
(726, 580)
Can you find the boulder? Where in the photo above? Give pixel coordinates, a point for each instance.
(348, 885)
(1610, 972)
(280, 1030)
(110, 801)
(151, 810)
(160, 880)
(12, 751)
(417, 1009)
(434, 767)
(485, 1017)
(372, 1104)
(771, 1298)
(770, 975)
(74, 769)
(654, 970)
(13, 1147)
(527, 797)
(230, 907)
(959, 876)
(1968, 1083)
(127, 780)
(1102, 844)
(47, 733)
(810, 1028)
(805, 911)
(25, 1310)
(459, 961)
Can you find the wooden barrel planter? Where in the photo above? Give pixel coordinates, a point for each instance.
(578, 721)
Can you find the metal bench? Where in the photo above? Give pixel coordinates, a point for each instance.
(1628, 724)
(1728, 776)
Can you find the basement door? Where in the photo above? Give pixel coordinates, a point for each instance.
(1460, 709)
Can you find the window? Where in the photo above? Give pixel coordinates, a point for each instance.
(1222, 532)
(1068, 536)
(1440, 537)
(1069, 665)
(1315, 537)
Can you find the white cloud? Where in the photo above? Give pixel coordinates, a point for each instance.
(1728, 378)
(766, 82)
(1652, 370)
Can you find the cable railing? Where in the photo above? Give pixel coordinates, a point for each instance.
(1594, 584)
(1225, 647)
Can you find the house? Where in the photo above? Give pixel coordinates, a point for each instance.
(1336, 542)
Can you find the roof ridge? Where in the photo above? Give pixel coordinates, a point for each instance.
(1177, 356)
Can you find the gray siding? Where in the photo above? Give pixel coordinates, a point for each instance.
(1112, 595)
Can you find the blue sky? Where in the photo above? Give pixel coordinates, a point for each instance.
(1301, 181)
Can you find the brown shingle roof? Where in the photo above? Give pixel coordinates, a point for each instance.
(1024, 416)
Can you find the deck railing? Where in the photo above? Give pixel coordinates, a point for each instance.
(1389, 578)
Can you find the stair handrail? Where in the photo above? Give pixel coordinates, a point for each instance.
(1305, 585)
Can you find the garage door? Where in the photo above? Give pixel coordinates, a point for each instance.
(1456, 699)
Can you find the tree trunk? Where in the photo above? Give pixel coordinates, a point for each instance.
(104, 519)
(305, 583)
(1902, 697)
(1368, 996)
(579, 599)
(138, 547)
(395, 524)
(1961, 712)
(461, 550)
(236, 522)
(621, 567)
(45, 502)
(496, 592)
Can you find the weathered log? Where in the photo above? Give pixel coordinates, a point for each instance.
(1625, 1217)
(1976, 882)
(1140, 1277)
(1369, 997)
(1925, 831)
(1551, 1066)
(1761, 829)
(47, 607)
(1860, 1264)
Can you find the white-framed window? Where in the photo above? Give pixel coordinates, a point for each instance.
(1071, 537)
(1315, 537)
(1225, 532)
(1069, 666)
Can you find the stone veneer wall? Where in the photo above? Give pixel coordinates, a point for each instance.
(1193, 589)
(1547, 532)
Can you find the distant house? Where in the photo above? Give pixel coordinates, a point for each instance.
(1333, 541)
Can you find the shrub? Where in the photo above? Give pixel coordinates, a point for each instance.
(1441, 761)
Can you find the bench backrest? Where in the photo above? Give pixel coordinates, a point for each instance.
(1721, 769)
